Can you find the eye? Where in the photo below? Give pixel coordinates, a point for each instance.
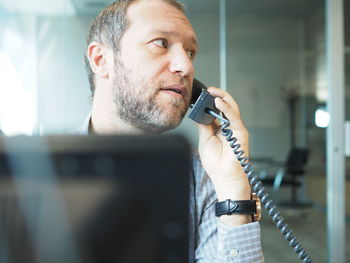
(190, 53)
(161, 43)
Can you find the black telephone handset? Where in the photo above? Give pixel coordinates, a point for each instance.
(202, 103)
(204, 112)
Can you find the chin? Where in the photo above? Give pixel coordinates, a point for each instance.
(169, 117)
(169, 124)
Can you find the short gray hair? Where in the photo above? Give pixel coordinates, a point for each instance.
(109, 26)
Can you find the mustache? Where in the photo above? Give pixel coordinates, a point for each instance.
(180, 81)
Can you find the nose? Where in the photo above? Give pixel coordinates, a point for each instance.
(180, 63)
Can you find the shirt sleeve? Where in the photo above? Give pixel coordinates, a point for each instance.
(220, 243)
(239, 244)
(216, 242)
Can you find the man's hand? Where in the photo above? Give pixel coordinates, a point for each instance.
(218, 158)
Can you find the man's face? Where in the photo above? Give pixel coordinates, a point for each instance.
(154, 67)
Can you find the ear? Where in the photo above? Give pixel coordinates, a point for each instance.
(99, 58)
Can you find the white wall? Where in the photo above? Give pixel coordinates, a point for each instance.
(43, 87)
(63, 90)
(18, 74)
(264, 56)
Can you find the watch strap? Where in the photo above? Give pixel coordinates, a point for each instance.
(229, 207)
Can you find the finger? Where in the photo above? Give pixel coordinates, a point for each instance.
(236, 124)
(204, 129)
(231, 113)
(225, 96)
(205, 132)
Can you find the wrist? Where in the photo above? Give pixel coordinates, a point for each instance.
(234, 189)
(236, 212)
(235, 220)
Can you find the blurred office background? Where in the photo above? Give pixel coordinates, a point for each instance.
(275, 69)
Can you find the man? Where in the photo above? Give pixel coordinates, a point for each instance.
(140, 64)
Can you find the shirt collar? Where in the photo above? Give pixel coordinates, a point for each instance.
(84, 129)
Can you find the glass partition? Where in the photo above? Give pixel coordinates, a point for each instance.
(276, 72)
(347, 118)
(44, 88)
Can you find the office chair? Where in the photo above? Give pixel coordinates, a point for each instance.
(290, 175)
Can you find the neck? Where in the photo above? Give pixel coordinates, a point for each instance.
(105, 120)
(107, 123)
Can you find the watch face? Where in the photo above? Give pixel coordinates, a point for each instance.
(257, 216)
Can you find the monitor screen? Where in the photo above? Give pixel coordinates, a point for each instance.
(94, 199)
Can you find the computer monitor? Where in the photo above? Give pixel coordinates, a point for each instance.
(94, 199)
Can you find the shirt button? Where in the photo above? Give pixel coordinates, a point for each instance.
(220, 247)
(234, 252)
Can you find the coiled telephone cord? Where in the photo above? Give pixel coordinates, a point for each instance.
(259, 189)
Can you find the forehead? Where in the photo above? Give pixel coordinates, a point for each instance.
(148, 16)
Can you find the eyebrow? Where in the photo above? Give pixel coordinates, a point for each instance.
(173, 33)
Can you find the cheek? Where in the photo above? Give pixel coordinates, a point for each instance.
(147, 64)
(154, 71)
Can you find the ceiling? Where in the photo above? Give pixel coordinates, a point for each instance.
(87, 7)
(236, 7)
(45, 7)
(274, 8)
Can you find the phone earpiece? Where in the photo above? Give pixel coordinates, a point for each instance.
(196, 90)
(202, 103)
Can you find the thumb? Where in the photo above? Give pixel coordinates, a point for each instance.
(205, 132)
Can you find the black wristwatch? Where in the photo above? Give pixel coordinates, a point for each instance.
(241, 207)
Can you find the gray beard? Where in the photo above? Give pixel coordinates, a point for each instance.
(136, 105)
